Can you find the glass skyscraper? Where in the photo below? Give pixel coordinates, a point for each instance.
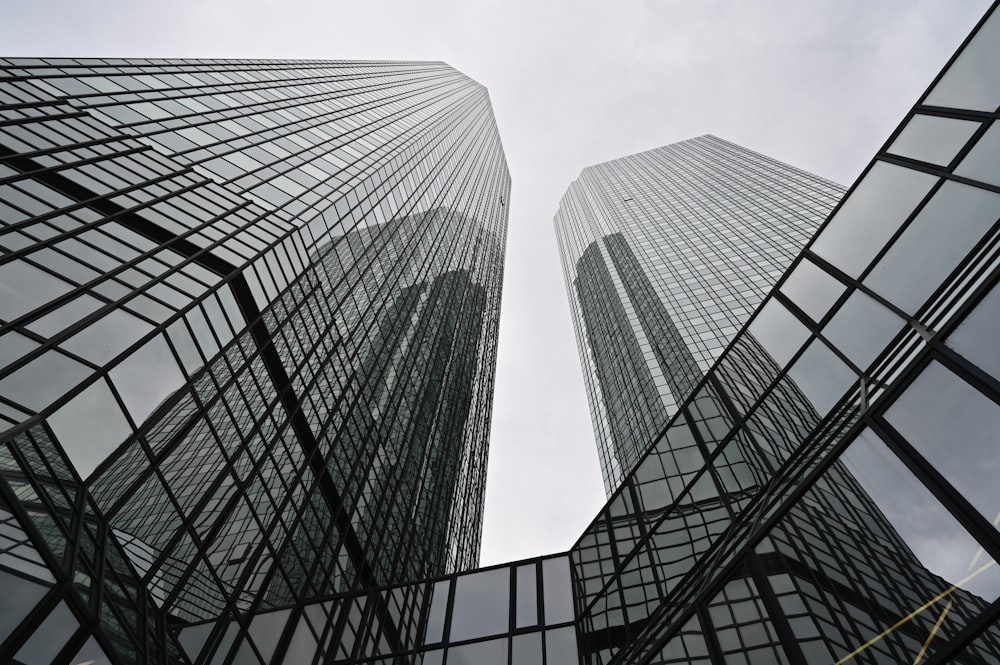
(666, 253)
(249, 322)
(825, 493)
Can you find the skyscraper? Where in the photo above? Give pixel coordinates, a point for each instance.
(825, 494)
(249, 320)
(820, 494)
(666, 253)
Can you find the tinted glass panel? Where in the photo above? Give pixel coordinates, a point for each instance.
(492, 652)
(527, 649)
(91, 652)
(23, 287)
(880, 203)
(862, 328)
(778, 331)
(812, 289)
(932, 246)
(976, 337)
(20, 596)
(962, 85)
(981, 162)
(42, 380)
(955, 427)
(558, 590)
(436, 614)
(481, 604)
(933, 139)
(50, 637)
(14, 345)
(147, 377)
(560, 647)
(89, 427)
(65, 315)
(934, 537)
(105, 338)
(821, 376)
(527, 597)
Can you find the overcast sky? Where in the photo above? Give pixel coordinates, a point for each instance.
(817, 84)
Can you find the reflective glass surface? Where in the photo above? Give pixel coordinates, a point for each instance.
(862, 328)
(778, 331)
(955, 427)
(979, 163)
(481, 605)
(255, 305)
(932, 535)
(976, 337)
(934, 139)
(961, 86)
(289, 424)
(934, 243)
(666, 254)
(870, 215)
(812, 289)
(90, 426)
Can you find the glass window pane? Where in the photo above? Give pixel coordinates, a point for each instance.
(266, 630)
(147, 377)
(50, 637)
(821, 376)
(302, 648)
(492, 652)
(527, 597)
(527, 649)
(955, 427)
(932, 246)
(981, 162)
(185, 346)
(89, 427)
(911, 513)
(813, 289)
(43, 380)
(65, 315)
(92, 654)
(968, 83)
(23, 287)
(558, 590)
(862, 328)
(933, 139)
(19, 597)
(560, 647)
(14, 345)
(778, 331)
(481, 605)
(436, 614)
(976, 337)
(871, 215)
(435, 657)
(105, 338)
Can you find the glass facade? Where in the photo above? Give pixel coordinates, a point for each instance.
(249, 320)
(824, 494)
(666, 253)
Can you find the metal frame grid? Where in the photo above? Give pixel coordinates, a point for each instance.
(256, 435)
(666, 253)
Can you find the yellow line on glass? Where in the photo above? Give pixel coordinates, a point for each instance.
(914, 613)
(934, 630)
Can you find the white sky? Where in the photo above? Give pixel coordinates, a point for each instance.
(817, 84)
